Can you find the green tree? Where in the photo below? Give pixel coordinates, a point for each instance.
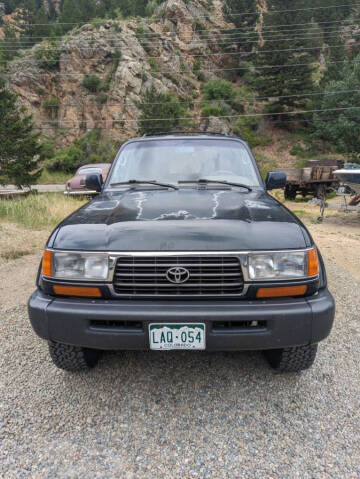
(341, 128)
(284, 68)
(70, 14)
(19, 145)
(161, 112)
(245, 21)
(134, 8)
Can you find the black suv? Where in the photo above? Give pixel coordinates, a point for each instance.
(183, 248)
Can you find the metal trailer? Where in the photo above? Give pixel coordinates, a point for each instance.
(316, 178)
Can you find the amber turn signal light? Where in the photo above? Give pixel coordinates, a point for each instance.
(47, 263)
(82, 291)
(313, 262)
(281, 291)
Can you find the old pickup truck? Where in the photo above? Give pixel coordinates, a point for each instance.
(182, 249)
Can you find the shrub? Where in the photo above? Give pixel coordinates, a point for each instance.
(172, 77)
(47, 56)
(219, 89)
(211, 110)
(161, 106)
(119, 123)
(153, 65)
(68, 160)
(247, 128)
(187, 100)
(101, 97)
(105, 85)
(297, 150)
(197, 65)
(51, 104)
(237, 106)
(47, 150)
(91, 148)
(91, 83)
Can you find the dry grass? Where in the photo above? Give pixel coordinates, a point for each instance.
(17, 242)
(14, 254)
(26, 222)
(38, 211)
(54, 178)
(277, 154)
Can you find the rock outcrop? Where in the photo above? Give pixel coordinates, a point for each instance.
(128, 56)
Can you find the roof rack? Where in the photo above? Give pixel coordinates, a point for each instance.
(193, 132)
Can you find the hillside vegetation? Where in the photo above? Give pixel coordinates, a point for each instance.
(284, 76)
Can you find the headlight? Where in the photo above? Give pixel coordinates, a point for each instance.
(78, 266)
(282, 265)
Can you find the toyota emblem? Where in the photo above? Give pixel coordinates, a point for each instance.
(177, 275)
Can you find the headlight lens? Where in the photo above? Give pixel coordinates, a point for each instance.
(279, 265)
(80, 266)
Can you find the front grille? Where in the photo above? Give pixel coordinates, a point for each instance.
(145, 276)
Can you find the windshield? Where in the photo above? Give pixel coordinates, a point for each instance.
(175, 160)
(89, 171)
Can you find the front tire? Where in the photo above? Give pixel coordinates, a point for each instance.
(290, 192)
(73, 358)
(292, 360)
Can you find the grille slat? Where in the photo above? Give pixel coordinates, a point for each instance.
(145, 276)
(193, 275)
(186, 285)
(170, 265)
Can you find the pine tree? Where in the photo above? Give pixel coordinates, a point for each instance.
(342, 127)
(244, 15)
(19, 145)
(288, 71)
(70, 15)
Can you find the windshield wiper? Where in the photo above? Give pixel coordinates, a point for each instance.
(145, 182)
(204, 181)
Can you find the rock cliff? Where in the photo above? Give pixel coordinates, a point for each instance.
(127, 56)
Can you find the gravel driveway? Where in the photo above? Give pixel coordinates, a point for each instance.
(182, 415)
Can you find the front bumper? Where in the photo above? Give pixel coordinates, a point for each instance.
(123, 325)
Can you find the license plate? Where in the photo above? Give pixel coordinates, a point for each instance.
(177, 336)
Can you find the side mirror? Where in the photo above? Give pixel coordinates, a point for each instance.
(275, 179)
(94, 182)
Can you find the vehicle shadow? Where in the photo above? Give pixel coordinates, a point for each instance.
(179, 380)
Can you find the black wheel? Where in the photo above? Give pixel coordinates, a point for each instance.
(292, 359)
(73, 358)
(290, 192)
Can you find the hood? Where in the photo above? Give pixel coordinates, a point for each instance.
(182, 220)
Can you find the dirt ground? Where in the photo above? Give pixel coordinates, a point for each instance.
(338, 238)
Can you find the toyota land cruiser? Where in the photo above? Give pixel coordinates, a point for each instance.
(183, 248)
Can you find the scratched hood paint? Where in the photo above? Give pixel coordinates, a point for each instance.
(183, 220)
